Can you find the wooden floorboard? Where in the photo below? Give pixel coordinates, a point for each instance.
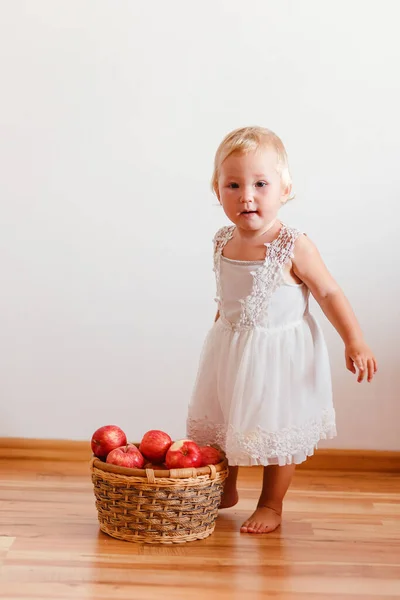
(340, 539)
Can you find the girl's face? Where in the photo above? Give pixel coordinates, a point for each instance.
(250, 189)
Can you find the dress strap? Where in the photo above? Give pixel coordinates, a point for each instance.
(281, 249)
(220, 240)
(222, 237)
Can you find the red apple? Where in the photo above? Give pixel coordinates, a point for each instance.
(183, 454)
(126, 456)
(154, 445)
(106, 439)
(210, 455)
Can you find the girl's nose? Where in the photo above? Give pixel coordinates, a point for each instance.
(247, 195)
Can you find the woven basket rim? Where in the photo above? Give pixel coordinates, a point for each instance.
(161, 473)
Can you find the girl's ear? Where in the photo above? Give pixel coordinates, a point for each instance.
(216, 192)
(286, 193)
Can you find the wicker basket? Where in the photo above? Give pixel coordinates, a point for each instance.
(157, 507)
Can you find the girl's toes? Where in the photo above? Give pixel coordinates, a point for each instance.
(248, 526)
(253, 527)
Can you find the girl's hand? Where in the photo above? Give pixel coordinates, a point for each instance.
(359, 355)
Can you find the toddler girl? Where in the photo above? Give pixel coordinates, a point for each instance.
(263, 391)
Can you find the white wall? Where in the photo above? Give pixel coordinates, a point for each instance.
(110, 114)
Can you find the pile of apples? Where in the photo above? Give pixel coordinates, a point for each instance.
(156, 450)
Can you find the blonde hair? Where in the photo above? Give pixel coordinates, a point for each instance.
(247, 139)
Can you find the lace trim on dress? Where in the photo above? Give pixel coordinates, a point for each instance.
(221, 238)
(260, 447)
(266, 279)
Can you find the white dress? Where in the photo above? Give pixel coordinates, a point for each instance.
(263, 391)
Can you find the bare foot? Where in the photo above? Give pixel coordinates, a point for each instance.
(263, 520)
(229, 498)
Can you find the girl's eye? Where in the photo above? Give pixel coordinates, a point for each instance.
(261, 184)
(233, 185)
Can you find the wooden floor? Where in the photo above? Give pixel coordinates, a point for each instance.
(340, 539)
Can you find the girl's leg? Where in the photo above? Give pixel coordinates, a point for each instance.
(230, 495)
(267, 516)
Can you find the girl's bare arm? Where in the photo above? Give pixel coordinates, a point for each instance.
(310, 268)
